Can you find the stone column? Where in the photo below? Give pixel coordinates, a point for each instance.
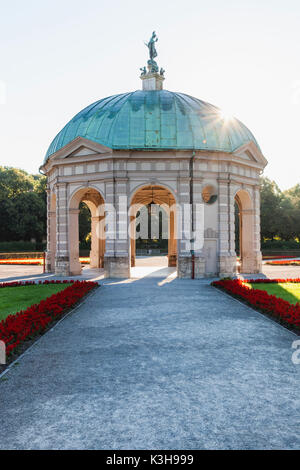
(95, 261)
(199, 224)
(62, 258)
(257, 246)
(250, 236)
(116, 260)
(172, 242)
(132, 239)
(247, 248)
(227, 257)
(51, 235)
(75, 265)
(184, 228)
(185, 259)
(52, 239)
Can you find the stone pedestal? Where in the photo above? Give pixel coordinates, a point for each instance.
(152, 81)
(62, 266)
(48, 263)
(116, 267)
(227, 266)
(96, 260)
(251, 264)
(185, 267)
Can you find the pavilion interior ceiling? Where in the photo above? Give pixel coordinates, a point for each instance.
(156, 194)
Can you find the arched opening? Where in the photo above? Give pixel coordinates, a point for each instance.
(153, 226)
(244, 231)
(237, 228)
(92, 200)
(85, 232)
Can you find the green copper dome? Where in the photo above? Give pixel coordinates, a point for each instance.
(154, 120)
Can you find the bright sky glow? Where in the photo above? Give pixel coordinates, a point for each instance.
(59, 56)
(226, 115)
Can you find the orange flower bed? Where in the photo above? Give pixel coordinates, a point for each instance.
(33, 261)
(277, 257)
(24, 261)
(290, 262)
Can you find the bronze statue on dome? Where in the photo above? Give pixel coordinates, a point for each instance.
(151, 46)
(151, 64)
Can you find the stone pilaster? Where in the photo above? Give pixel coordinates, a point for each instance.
(49, 254)
(184, 227)
(187, 239)
(97, 242)
(172, 241)
(62, 258)
(74, 264)
(231, 220)
(116, 259)
(257, 247)
(227, 257)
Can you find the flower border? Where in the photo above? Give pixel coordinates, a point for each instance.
(291, 262)
(278, 309)
(25, 325)
(32, 261)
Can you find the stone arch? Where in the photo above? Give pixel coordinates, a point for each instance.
(95, 202)
(163, 196)
(153, 182)
(82, 189)
(246, 230)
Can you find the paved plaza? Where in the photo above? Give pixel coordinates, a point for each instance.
(154, 362)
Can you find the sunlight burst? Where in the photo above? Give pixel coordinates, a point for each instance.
(226, 115)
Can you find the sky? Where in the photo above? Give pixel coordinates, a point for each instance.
(58, 56)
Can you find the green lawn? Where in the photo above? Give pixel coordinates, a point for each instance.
(13, 299)
(287, 291)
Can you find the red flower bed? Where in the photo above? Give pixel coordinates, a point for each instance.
(26, 324)
(284, 312)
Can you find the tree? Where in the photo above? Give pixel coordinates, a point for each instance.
(270, 211)
(13, 182)
(293, 195)
(29, 215)
(22, 205)
(84, 224)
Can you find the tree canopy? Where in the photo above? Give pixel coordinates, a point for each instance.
(280, 211)
(22, 205)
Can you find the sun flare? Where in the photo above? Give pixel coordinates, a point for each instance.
(226, 115)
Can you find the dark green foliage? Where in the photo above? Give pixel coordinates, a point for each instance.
(84, 227)
(20, 246)
(22, 206)
(280, 216)
(23, 215)
(23, 212)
